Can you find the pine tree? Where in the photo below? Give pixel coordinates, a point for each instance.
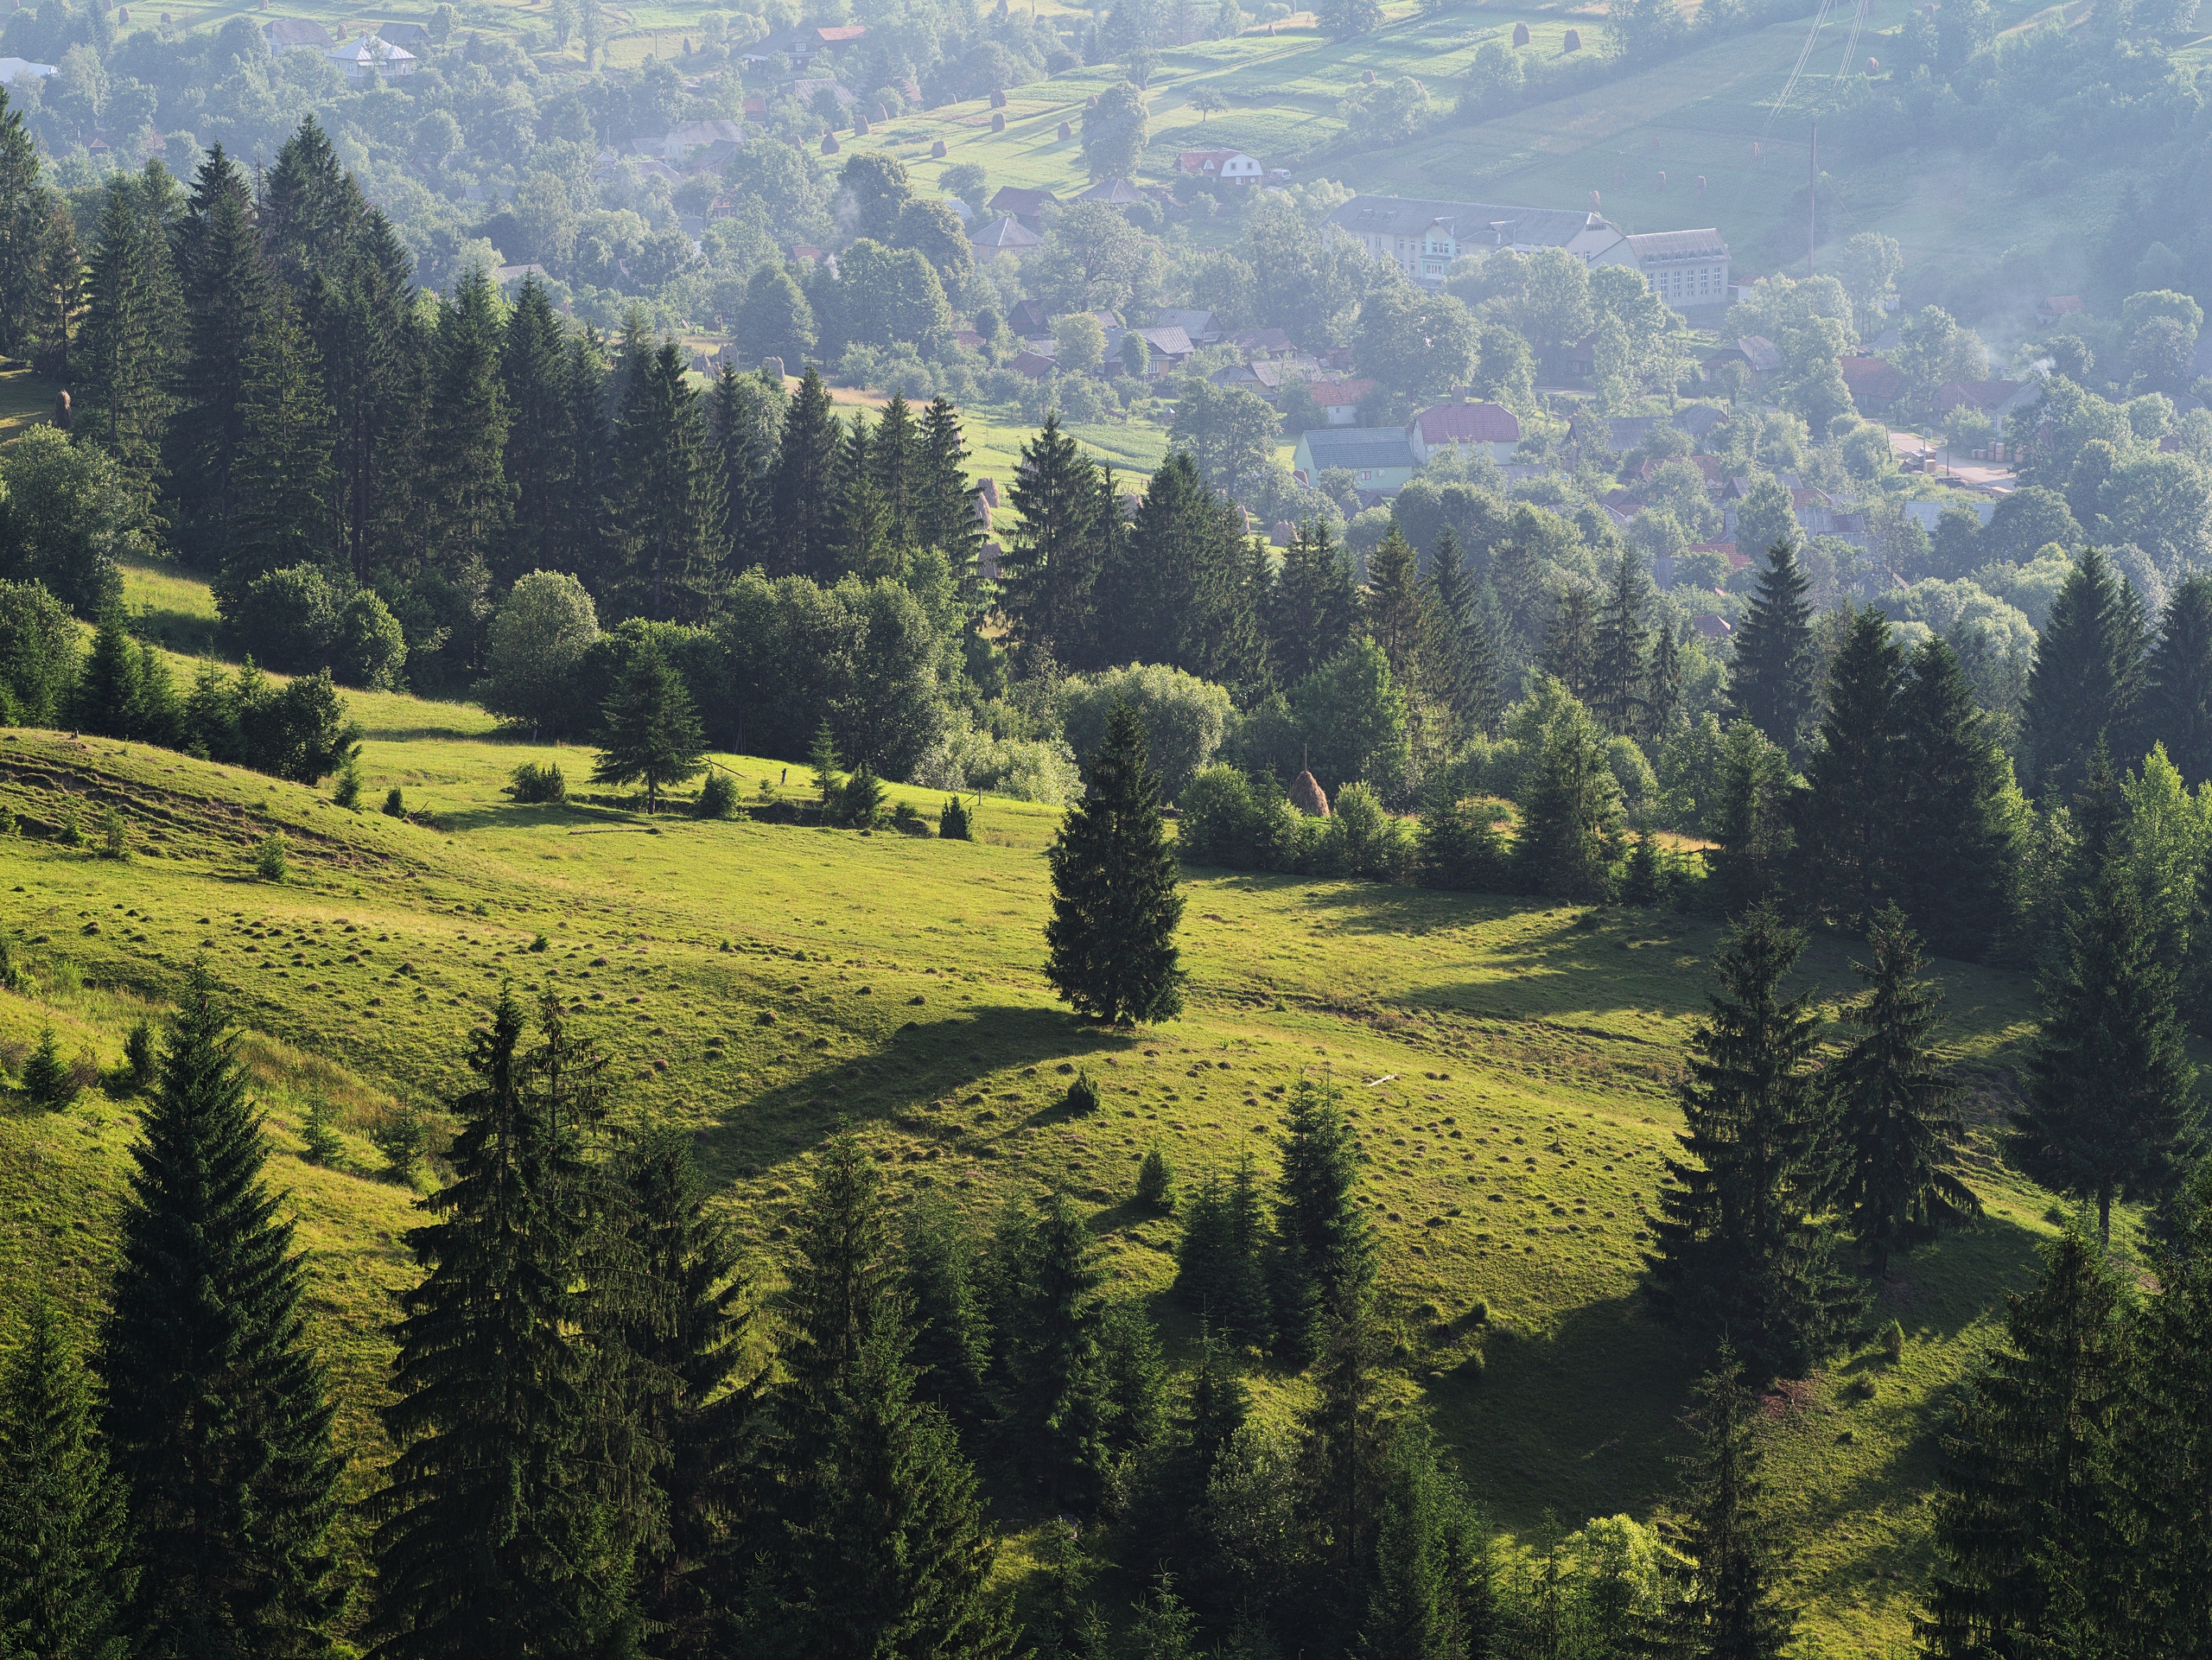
(1463, 670)
(1724, 1565)
(1420, 1602)
(650, 734)
(63, 1532)
(110, 694)
(227, 292)
(1663, 698)
(867, 539)
(1570, 646)
(801, 489)
(893, 469)
(2159, 1458)
(538, 447)
(1395, 613)
(467, 495)
(2086, 686)
(48, 1084)
(586, 381)
(1752, 817)
(821, 757)
(1847, 815)
(1221, 1263)
(944, 507)
(280, 478)
(2021, 1511)
(1570, 832)
(1051, 1384)
(1770, 682)
(1115, 902)
(1902, 1183)
(133, 326)
(24, 208)
(495, 1532)
(1956, 834)
(1742, 1246)
(2178, 690)
(1051, 568)
(742, 434)
(664, 516)
(2111, 1088)
(1171, 1511)
(304, 199)
(359, 311)
(952, 1342)
(1345, 1445)
(1619, 675)
(58, 297)
(1315, 611)
(687, 1336)
(217, 1417)
(1324, 1243)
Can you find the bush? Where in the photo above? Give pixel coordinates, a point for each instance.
(49, 1082)
(139, 1060)
(270, 862)
(952, 821)
(323, 1146)
(1184, 718)
(368, 648)
(1893, 1341)
(400, 1136)
(538, 638)
(860, 798)
(286, 619)
(1083, 1098)
(1374, 844)
(1220, 822)
(1457, 845)
(395, 804)
(71, 514)
(1155, 1180)
(1039, 770)
(346, 792)
(536, 786)
(718, 797)
(73, 829)
(115, 833)
(38, 654)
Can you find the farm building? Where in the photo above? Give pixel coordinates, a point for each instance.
(1378, 458)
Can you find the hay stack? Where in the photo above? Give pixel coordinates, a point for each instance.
(1307, 796)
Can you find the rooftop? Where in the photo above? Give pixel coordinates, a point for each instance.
(1465, 424)
(1359, 447)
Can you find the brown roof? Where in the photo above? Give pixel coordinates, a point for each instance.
(1479, 424)
(1873, 379)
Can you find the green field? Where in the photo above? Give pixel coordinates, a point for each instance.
(1510, 1063)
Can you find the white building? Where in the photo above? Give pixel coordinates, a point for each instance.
(363, 59)
(13, 70)
(1687, 269)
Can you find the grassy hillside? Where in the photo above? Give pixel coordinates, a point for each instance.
(1509, 1063)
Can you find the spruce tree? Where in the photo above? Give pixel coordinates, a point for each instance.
(1770, 681)
(49, 1085)
(802, 492)
(1052, 1386)
(217, 1417)
(1847, 815)
(361, 313)
(2111, 1090)
(867, 539)
(110, 695)
(1570, 832)
(1115, 905)
(467, 495)
(1901, 1183)
(1463, 672)
(1422, 1601)
(742, 437)
(1620, 673)
(532, 391)
(1743, 1247)
(1570, 653)
(1393, 606)
(893, 469)
(1323, 1243)
(952, 1342)
(1725, 1564)
(1956, 834)
(1315, 611)
(1221, 1263)
(2086, 686)
(1050, 569)
(822, 758)
(63, 1532)
(496, 1531)
(23, 213)
(280, 478)
(227, 295)
(1345, 1441)
(1663, 695)
(133, 328)
(2021, 1512)
(650, 734)
(1752, 817)
(1171, 1505)
(2159, 1458)
(944, 504)
(663, 516)
(686, 1332)
(2178, 690)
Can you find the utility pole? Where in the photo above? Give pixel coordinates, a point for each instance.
(1812, 206)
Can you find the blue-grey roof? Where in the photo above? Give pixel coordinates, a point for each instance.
(1359, 447)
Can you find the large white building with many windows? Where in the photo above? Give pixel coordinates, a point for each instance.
(1687, 269)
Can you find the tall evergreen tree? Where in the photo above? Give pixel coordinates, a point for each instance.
(1620, 673)
(743, 431)
(23, 209)
(1345, 1444)
(650, 734)
(2086, 686)
(1323, 1243)
(1393, 604)
(1847, 816)
(216, 1415)
(1115, 903)
(538, 448)
(1752, 823)
(1956, 833)
(228, 294)
(281, 478)
(305, 224)
(2159, 1458)
(1663, 695)
(944, 507)
(1315, 613)
(1052, 1386)
(63, 1532)
(495, 1532)
(867, 539)
(133, 328)
(1464, 671)
(467, 495)
(1050, 569)
(359, 311)
(1221, 1261)
(1570, 834)
(1725, 1566)
(803, 488)
(1902, 1182)
(1571, 645)
(1770, 682)
(58, 297)
(893, 469)
(2177, 690)
(2111, 1090)
(952, 1340)
(1424, 1601)
(2021, 1512)
(1743, 1247)
(664, 516)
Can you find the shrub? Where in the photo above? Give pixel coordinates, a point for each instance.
(71, 512)
(540, 943)
(400, 1136)
(538, 638)
(139, 1060)
(11, 978)
(1081, 1098)
(38, 654)
(718, 797)
(1184, 718)
(539, 786)
(346, 792)
(1155, 1180)
(395, 804)
(1893, 1341)
(1374, 844)
(115, 833)
(49, 1082)
(270, 862)
(952, 821)
(323, 1146)
(368, 648)
(286, 618)
(860, 799)
(73, 829)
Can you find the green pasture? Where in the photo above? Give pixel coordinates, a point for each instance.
(26, 400)
(1509, 1063)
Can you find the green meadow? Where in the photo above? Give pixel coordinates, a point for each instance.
(1509, 1063)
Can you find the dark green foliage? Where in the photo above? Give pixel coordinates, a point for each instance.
(801, 489)
(953, 1340)
(38, 655)
(140, 1061)
(1570, 644)
(650, 734)
(1570, 832)
(468, 494)
(1082, 1097)
(1645, 881)
(1770, 682)
(1155, 1180)
(1431, 1593)
(216, 1415)
(498, 1529)
(538, 455)
(1725, 1566)
(952, 821)
(718, 797)
(1743, 1247)
(2021, 1513)
(1315, 610)
(281, 475)
(1052, 564)
(536, 784)
(63, 1530)
(1462, 668)
(1049, 1315)
(1752, 822)
(1344, 1456)
(1901, 1182)
(745, 424)
(665, 530)
(2111, 1090)
(133, 326)
(2087, 685)
(1955, 839)
(2177, 691)
(1181, 588)
(944, 506)
(1847, 813)
(321, 1145)
(1325, 1246)
(1221, 1261)
(395, 803)
(859, 802)
(49, 1085)
(1619, 672)
(346, 791)
(1115, 902)
(822, 756)
(24, 206)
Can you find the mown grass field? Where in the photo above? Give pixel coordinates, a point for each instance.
(1509, 1063)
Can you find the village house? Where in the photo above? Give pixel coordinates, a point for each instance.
(1226, 166)
(1688, 269)
(1875, 382)
(1684, 268)
(1027, 206)
(1002, 236)
(1378, 458)
(371, 57)
(1468, 429)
